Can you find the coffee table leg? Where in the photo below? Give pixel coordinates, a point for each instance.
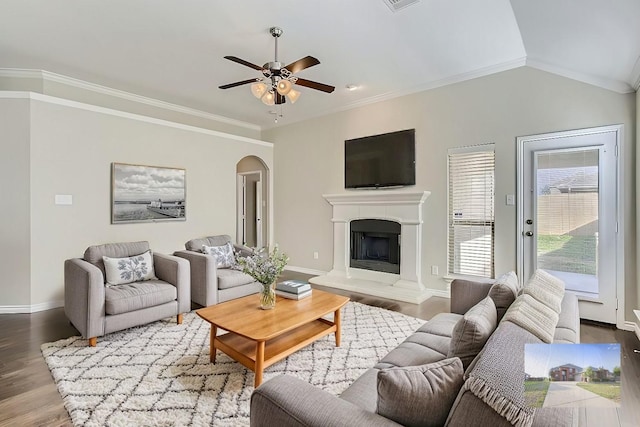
(336, 320)
(212, 345)
(259, 363)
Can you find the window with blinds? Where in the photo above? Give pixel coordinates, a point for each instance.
(471, 211)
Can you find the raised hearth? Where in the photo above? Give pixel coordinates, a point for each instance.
(404, 208)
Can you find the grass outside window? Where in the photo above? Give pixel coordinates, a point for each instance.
(607, 390)
(535, 393)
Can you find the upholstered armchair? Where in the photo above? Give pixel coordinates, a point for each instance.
(137, 287)
(213, 282)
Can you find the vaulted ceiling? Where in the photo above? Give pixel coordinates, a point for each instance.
(173, 50)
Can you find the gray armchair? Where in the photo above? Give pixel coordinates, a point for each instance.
(211, 285)
(96, 310)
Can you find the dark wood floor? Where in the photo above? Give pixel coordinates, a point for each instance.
(28, 395)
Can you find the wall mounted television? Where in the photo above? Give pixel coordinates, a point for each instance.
(387, 160)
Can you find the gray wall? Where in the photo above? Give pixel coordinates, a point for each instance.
(492, 109)
(15, 286)
(71, 151)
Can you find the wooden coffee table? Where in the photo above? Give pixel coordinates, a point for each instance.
(259, 338)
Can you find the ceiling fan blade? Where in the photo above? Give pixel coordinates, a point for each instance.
(315, 85)
(244, 82)
(243, 62)
(280, 99)
(301, 64)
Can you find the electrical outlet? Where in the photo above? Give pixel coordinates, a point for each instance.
(315, 255)
(511, 200)
(434, 270)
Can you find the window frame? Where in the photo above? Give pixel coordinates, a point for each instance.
(480, 148)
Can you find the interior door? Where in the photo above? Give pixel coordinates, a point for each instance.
(569, 216)
(259, 203)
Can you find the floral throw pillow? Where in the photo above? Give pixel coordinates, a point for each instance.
(224, 255)
(120, 271)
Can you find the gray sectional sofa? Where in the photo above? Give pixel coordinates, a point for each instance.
(492, 379)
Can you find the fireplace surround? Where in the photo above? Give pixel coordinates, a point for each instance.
(403, 208)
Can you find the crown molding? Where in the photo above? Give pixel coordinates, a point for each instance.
(609, 84)
(109, 111)
(104, 90)
(458, 78)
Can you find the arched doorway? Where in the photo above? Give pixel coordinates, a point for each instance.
(252, 202)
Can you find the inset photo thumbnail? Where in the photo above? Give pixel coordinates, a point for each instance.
(572, 375)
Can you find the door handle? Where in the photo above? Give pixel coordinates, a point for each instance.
(528, 233)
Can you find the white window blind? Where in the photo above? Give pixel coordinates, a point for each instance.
(471, 211)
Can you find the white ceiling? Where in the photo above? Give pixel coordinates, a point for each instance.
(173, 50)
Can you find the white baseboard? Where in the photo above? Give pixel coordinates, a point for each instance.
(33, 308)
(440, 293)
(305, 270)
(632, 327)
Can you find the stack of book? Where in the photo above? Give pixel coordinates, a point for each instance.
(293, 289)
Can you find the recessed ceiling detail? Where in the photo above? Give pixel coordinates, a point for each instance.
(172, 53)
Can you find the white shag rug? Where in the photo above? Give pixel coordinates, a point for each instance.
(160, 374)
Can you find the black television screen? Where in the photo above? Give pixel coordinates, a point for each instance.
(386, 160)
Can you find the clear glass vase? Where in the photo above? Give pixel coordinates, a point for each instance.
(267, 296)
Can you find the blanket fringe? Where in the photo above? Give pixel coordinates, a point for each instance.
(519, 417)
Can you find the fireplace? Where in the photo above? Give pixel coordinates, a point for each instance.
(363, 256)
(375, 245)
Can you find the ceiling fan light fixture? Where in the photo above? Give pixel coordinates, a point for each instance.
(269, 98)
(258, 89)
(284, 86)
(293, 95)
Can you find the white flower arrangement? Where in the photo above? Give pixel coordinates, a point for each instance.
(264, 266)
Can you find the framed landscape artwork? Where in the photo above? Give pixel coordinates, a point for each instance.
(147, 193)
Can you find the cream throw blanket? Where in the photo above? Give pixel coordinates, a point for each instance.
(547, 289)
(534, 316)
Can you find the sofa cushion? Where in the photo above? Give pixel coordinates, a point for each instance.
(533, 316)
(134, 296)
(411, 354)
(223, 255)
(197, 244)
(568, 327)
(546, 288)
(94, 254)
(228, 278)
(362, 392)
(473, 330)
(419, 395)
(504, 291)
(441, 324)
(137, 268)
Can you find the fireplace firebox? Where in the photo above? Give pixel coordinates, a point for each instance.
(375, 245)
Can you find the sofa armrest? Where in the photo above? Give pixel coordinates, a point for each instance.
(467, 293)
(204, 277)
(84, 293)
(175, 270)
(288, 401)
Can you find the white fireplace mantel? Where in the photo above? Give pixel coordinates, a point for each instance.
(399, 206)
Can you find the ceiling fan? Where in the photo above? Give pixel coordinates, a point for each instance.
(277, 82)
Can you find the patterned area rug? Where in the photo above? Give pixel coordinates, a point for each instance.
(160, 374)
